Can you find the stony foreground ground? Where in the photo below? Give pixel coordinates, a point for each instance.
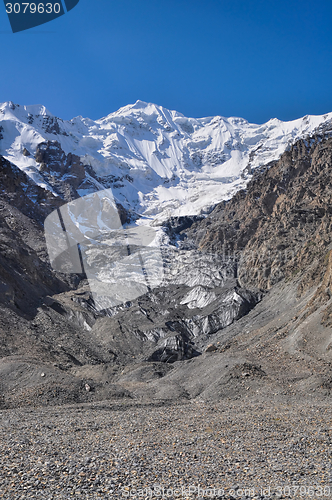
(232, 449)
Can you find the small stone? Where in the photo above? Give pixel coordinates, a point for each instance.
(211, 348)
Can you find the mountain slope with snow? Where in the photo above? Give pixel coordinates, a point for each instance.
(157, 162)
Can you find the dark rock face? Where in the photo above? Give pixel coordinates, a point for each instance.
(65, 173)
(26, 152)
(279, 226)
(176, 225)
(19, 191)
(51, 125)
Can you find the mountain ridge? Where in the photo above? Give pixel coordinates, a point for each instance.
(157, 162)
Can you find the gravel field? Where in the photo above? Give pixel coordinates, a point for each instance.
(121, 449)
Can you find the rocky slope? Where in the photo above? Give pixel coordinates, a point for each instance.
(280, 226)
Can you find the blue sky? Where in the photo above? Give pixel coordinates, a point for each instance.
(250, 58)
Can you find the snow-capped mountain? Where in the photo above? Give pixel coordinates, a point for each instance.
(156, 161)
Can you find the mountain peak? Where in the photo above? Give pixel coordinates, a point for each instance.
(19, 111)
(141, 104)
(138, 108)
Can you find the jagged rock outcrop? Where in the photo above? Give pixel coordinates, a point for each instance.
(65, 173)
